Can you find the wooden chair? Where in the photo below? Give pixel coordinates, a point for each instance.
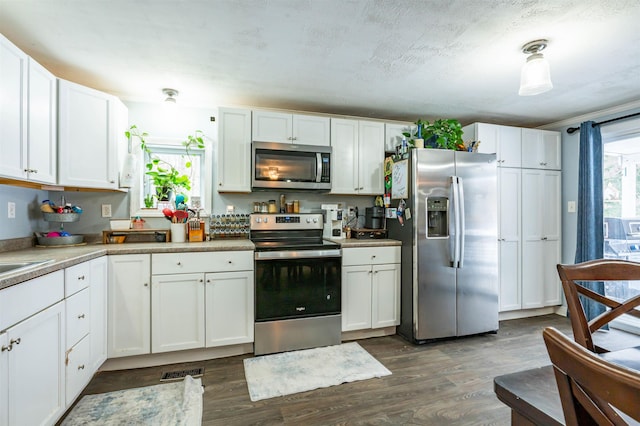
(588, 333)
(592, 391)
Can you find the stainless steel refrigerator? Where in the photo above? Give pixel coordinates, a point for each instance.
(447, 222)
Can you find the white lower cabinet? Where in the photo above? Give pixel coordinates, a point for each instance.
(370, 287)
(129, 305)
(177, 312)
(229, 308)
(98, 309)
(33, 370)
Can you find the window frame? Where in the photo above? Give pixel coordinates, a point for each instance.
(164, 145)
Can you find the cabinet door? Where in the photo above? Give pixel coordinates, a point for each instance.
(177, 312)
(129, 306)
(4, 379)
(505, 141)
(78, 315)
(356, 297)
(87, 155)
(509, 213)
(344, 143)
(541, 149)
(552, 286)
(98, 293)
(234, 150)
(13, 110)
(43, 124)
(271, 126)
(78, 369)
(385, 295)
(533, 274)
(393, 134)
(229, 302)
(36, 368)
(311, 130)
(371, 158)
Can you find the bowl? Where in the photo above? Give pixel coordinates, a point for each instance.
(117, 239)
(120, 224)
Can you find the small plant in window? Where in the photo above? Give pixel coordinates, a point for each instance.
(166, 178)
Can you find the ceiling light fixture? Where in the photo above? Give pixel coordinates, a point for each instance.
(171, 95)
(535, 77)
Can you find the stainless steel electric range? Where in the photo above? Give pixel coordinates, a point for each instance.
(297, 283)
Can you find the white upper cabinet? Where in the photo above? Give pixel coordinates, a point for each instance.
(358, 156)
(504, 141)
(234, 150)
(541, 149)
(299, 129)
(28, 136)
(393, 134)
(13, 110)
(91, 126)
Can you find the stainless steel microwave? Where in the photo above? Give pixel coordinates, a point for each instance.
(291, 166)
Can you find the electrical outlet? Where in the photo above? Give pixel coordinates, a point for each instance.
(11, 210)
(106, 210)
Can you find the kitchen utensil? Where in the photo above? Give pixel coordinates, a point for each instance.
(181, 216)
(168, 213)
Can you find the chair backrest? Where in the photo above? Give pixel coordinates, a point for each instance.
(596, 270)
(592, 390)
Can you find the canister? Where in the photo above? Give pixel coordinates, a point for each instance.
(272, 206)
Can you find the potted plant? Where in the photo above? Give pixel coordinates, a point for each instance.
(442, 133)
(167, 180)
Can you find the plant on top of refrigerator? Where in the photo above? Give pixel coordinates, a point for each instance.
(442, 133)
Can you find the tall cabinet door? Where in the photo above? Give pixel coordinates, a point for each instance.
(371, 158)
(13, 110)
(509, 212)
(43, 124)
(234, 150)
(86, 124)
(344, 156)
(129, 317)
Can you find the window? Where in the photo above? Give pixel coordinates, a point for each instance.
(172, 151)
(621, 186)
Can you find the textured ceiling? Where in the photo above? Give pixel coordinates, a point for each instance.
(384, 59)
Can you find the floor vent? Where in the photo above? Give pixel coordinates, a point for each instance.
(177, 375)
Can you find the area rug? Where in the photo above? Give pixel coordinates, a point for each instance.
(300, 371)
(178, 403)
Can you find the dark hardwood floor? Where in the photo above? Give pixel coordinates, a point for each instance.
(442, 383)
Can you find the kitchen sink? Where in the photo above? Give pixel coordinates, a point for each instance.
(6, 267)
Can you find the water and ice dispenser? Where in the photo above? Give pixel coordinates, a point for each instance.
(437, 217)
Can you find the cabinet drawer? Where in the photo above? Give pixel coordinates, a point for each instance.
(78, 316)
(30, 297)
(370, 255)
(78, 369)
(76, 278)
(183, 263)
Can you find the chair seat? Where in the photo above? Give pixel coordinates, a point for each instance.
(614, 340)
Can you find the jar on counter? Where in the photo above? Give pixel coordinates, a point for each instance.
(272, 206)
(296, 206)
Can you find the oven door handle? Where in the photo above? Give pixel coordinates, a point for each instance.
(296, 254)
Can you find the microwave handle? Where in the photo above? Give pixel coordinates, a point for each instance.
(318, 167)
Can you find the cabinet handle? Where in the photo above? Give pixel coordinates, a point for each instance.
(219, 183)
(112, 181)
(7, 348)
(16, 341)
(34, 170)
(146, 284)
(289, 138)
(81, 367)
(81, 278)
(179, 263)
(361, 188)
(543, 238)
(229, 262)
(371, 272)
(208, 281)
(80, 316)
(294, 138)
(26, 171)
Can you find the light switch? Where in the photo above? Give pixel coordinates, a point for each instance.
(571, 207)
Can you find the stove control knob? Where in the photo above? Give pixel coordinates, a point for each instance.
(258, 219)
(308, 220)
(315, 220)
(266, 219)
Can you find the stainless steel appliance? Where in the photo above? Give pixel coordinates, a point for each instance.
(448, 227)
(297, 283)
(290, 166)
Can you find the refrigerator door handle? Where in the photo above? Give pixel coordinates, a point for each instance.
(462, 228)
(454, 243)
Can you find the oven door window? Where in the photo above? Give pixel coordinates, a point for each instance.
(297, 288)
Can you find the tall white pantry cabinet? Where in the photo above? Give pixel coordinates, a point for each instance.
(529, 197)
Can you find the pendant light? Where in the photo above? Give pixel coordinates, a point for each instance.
(535, 77)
